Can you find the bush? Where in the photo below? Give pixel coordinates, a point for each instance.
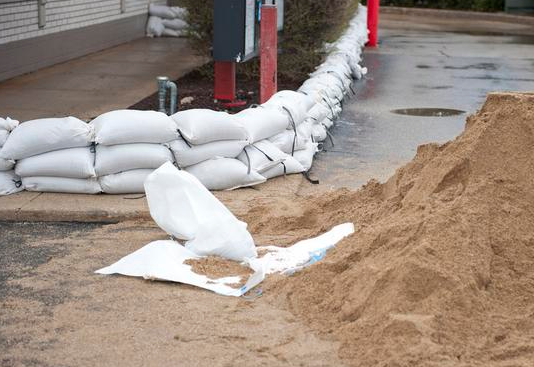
(309, 24)
(479, 5)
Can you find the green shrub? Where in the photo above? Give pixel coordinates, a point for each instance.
(309, 24)
(479, 5)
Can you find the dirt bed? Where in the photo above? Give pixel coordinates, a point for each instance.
(440, 272)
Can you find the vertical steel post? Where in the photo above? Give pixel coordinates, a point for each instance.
(268, 51)
(373, 8)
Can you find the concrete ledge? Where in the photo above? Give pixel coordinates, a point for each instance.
(31, 54)
(456, 14)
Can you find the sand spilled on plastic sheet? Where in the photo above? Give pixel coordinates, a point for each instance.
(215, 267)
(440, 271)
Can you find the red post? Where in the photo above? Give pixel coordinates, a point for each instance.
(268, 52)
(224, 81)
(373, 8)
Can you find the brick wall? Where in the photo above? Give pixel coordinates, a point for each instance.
(18, 19)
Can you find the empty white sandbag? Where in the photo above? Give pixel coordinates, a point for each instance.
(154, 27)
(9, 183)
(61, 185)
(224, 174)
(188, 155)
(262, 123)
(45, 135)
(3, 137)
(8, 124)
(71, 163)
(290, 165)
(6, 164)
(287, 143)
(132, 126)
(262, 156)
(112, 159)
(182, 206)
(129, 182)
(201, 126)
(305, 156)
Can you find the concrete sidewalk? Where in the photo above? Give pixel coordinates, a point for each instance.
(88, 86)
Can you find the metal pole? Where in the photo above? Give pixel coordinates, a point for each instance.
(268, 51)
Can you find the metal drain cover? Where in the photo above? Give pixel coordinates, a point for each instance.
(428, 112)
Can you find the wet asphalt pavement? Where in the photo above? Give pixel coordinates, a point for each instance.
(418, 69)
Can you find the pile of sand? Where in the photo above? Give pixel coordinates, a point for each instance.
(441, 269)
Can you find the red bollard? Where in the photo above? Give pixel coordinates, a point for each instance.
(373, 8)
(268, 52)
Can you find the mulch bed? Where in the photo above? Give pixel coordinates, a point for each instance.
(196, 85)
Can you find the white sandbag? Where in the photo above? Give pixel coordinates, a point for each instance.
(129, 182)
(289, 166)
(166, 12)
(262, 123)
(71, 163)
(294, 103)
(6, 164)
(201, 126)
(9, 183)
(187, 155)
(305, 129)
(154, 27)
(45, 135)
(175, 24)
(132, 126)
(167, 32)
(182, 206)
(287, 143)
(225, 174)
(112, 159)
(262, 156)
(61, 185)
(320, 111)
(318, 132)
(4, 134)
(8, 124)
(305, 156)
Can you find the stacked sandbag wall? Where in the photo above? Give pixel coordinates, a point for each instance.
(9, 182)
(115, 152)
(166, 21)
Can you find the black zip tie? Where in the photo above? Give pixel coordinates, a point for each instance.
(248, 160)
(328, 104)
(177, 166)
(292, 120)
(184, 139)
(261, 151)
(285, 168)
(18, 183)
(352, 90)
(331, 137)
(92, 148)
(311, 180)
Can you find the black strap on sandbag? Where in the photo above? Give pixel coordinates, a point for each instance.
(248, 161)
(92, 148)
(331, 138)
(18, 183)
(184, 139)
(261, 151)
(311, 180)
(292, 120)
(329, 106)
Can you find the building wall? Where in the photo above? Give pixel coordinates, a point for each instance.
(18, 19)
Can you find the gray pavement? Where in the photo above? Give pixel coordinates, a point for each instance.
(88, 86)
(443, 63)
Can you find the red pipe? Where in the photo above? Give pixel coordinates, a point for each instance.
(268, 52)
(373, 8)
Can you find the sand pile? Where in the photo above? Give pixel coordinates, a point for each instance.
(441, 269)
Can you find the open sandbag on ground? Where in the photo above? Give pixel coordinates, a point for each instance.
(9, 183)
(128, 182)
(71, 163)
(440, 271)
(125, 157)
(187, 155)
(61, 185)
(225, 174)
(131, 126)
(201, 126)
(45, 135)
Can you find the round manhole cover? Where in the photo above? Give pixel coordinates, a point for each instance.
(428, 112)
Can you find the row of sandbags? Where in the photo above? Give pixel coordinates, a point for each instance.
(166, 21)
(115, 152)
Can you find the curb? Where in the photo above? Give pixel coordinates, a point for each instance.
(457, 14)
(93, 216)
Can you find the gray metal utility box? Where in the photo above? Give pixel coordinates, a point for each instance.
(235, 30)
